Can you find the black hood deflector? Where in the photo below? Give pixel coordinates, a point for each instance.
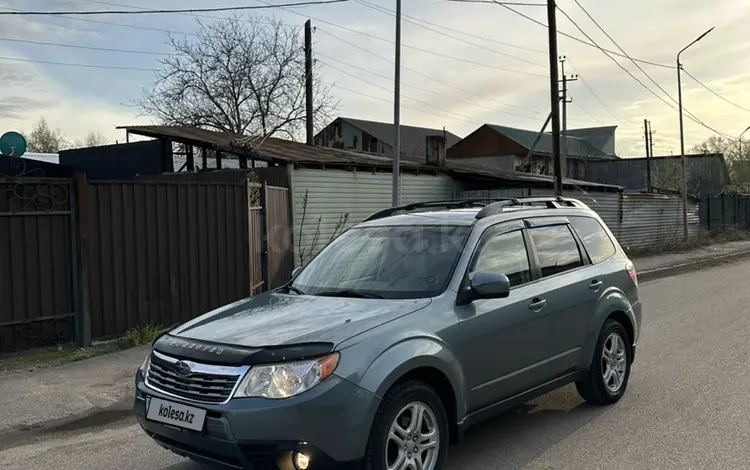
(207, 352)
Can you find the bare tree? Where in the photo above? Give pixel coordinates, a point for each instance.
(241, 76)
(44, 139)
(92, 139)
(306, 253)
(735, 154)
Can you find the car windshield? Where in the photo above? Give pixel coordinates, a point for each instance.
(398, 262)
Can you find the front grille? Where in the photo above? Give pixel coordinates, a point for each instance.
(199, 385)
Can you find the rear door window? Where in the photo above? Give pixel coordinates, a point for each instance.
(556, 249)
(595, 239)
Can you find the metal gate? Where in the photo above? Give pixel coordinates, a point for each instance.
(38, 260)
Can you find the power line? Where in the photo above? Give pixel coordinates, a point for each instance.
(386, 77)
(456, 115)
(123, 25)
(428, 76)
(483, 38)
(68, 64)
(688, 113)
(407, 46)
(518, 4)
(383, 100)
(577, 39)
(618, 46)
(164, 11)
(594, 94)
(714, 92)
(410, 20)
(91, 48)
(586, 111)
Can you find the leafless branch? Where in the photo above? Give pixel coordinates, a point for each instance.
(243, 76)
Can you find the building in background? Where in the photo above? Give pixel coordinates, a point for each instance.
(377, 137)
(508, 147)
(707, 175)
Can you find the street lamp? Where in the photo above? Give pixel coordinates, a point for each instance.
(682, 136)
(739, 153)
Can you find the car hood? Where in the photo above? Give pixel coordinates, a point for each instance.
(275, 319)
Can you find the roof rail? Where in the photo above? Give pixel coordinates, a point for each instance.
(430, 205)
(552, 202)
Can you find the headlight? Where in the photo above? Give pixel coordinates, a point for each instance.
(146, 362)
(278, 381)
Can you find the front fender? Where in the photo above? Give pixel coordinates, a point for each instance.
(612, 300)
(407, 355)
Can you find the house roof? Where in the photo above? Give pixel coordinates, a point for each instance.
(577, 147)
(412, 137)
(596, 136)
(275, 150)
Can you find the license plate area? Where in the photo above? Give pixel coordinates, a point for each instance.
(175, 415)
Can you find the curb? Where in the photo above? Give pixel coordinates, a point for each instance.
(667, 271)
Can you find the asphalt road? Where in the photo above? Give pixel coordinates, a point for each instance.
(686, 406)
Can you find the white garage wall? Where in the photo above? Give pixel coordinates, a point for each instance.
(333, 193)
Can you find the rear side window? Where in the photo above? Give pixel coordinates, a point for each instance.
(596, 241)
(556, 249)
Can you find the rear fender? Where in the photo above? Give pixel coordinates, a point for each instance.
(612, 300)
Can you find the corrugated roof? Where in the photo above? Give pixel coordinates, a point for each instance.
(285, 151)
(577, 147)
(596, 136)
(412, 137)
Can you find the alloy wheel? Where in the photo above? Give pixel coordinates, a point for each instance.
(614, 362)
(414, 439)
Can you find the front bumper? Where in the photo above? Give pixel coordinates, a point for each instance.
(331, 423)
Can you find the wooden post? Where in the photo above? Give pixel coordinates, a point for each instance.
(81, 239)
(264, 235)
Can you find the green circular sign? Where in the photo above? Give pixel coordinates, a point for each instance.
(12, 144)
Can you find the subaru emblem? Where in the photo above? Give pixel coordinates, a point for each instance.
(183, 368)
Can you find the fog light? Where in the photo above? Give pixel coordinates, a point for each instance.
(301, 461)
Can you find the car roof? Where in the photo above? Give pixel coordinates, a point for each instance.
(468, 216)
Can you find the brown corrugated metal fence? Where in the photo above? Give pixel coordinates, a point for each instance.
(82, 260)
(274, 175)
(37, 301)
(278, 223)
(164, 252)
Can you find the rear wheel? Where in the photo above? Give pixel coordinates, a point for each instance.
(410, 431)
(608, 374)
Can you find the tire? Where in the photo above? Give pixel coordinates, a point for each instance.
(597, 389)
(400, 403)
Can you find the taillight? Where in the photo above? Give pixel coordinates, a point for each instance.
(631, 270)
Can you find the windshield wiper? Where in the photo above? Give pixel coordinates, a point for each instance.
(291, 288)
(350, 293)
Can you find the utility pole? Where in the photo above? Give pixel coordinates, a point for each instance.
(309, 83)
(565, 100)
(682, 137)
(649, 149)
(651, 139)
(554, 95)
(397, 112)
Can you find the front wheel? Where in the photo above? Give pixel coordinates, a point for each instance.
(608, 374)
(410, 431)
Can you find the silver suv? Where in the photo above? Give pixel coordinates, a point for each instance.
(407, 329)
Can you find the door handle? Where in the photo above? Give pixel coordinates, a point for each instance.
(595, 285)
(537, 304)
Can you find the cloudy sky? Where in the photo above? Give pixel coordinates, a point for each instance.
(463, 64)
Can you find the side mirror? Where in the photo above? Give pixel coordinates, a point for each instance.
(490, 286)
(296, 271)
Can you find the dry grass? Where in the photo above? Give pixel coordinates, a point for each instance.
(56, 356)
